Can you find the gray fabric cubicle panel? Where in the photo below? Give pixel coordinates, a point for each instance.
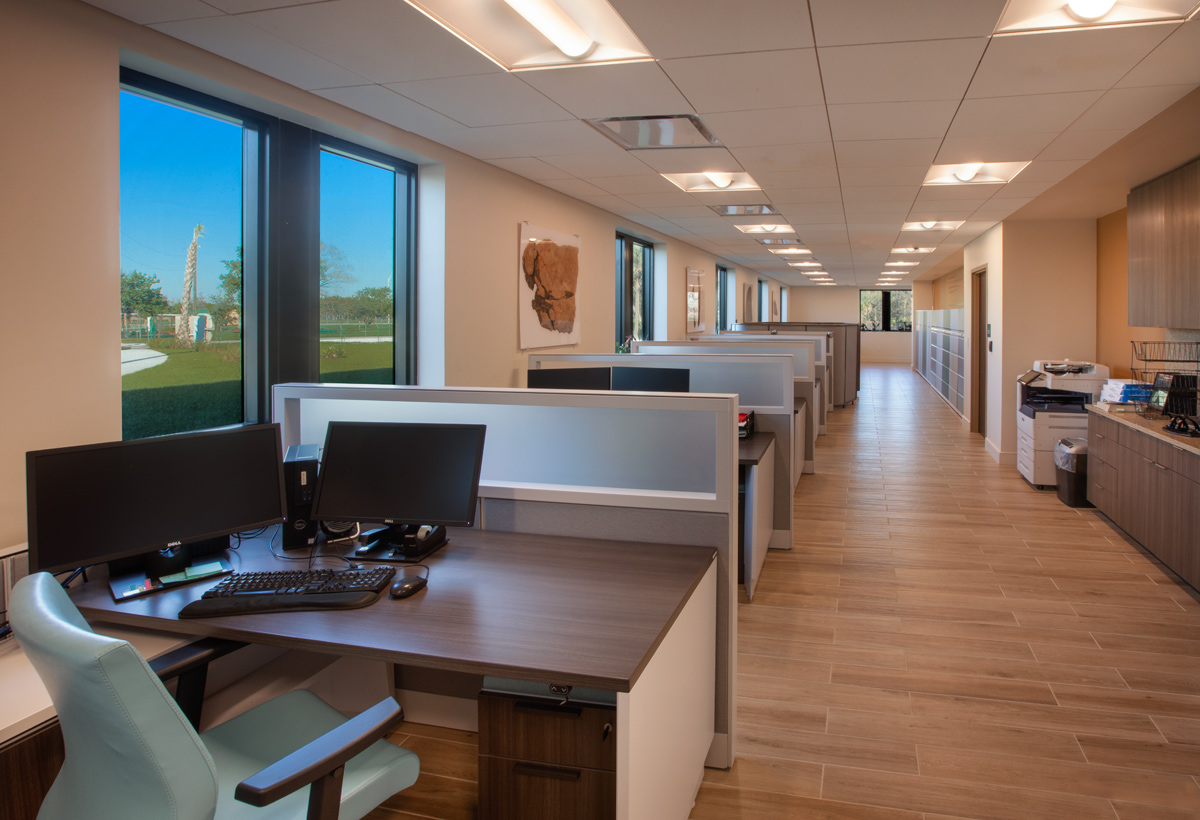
(628, 523)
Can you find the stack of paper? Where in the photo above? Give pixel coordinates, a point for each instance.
(1124, 390)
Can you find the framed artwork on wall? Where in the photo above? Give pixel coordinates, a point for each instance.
(695, 303)
(547, 278)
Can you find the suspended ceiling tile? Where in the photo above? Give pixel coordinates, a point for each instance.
(1000, 208)
(388, 106)
(959, 193)
(687, 28)
(842, 22)
(241, 6)
(611, 161)
(483, 99)
(1032, 114)
(927, 211)
(876, 209)
(881, 193)
(1173, 62)
(362, 36)
(530, 168)
(812, 178)
(616, 205)
(992, 148)
(770, 126)
(885, 153)
(636, 184)
(666, 199)
(895, 175)
(785, 196)
(1024, 188)
(234, 39)
(1085, 59)
(783, 158)
(1050, 171)
(1130, 107)
(744, 82)
(543, 139)
(619, 90)
(1073, 144)
(148, 12)
(687, 160)
(881, 121)
(900, 72)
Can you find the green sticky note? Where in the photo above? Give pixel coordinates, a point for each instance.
(174, 578)
(200, 571)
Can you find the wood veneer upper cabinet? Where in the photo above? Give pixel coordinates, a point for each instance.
(1164, 250)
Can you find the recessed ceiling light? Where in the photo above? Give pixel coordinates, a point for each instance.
(810, 264)
(913, 249)
(814, 273)
(789, 251)
(826, 283)
(701, 182)
(774, 228)
(1028, 16)
(529, 34)
(931, 226)
(973, 173)
(768, 239)
(1089, 10)
(900, 264)
(744, 210)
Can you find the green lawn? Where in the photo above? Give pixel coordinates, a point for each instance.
(194, 389)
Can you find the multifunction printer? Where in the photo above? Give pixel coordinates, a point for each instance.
(1051, 405)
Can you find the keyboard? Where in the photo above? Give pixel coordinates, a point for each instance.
(244, 593)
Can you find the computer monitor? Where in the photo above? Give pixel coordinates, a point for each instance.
(651, 379)
(98, 503)
(570, 378)
(416, 479)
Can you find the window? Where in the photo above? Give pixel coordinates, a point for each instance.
(635, 279)
(363, 254)
(723, 311)
(183, 184)
(783, 304)
(212, 314)
(764, 301)
(885, 310)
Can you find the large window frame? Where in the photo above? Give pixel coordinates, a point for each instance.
(628, 319)
(886, 319)
(281, 242)
(723, 311)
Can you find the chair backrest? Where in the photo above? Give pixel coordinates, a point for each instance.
(129, 751)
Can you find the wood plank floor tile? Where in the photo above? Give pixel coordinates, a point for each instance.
(1181, 758)
(1109, 782)
(808, 717)
(1008, 669)
(824, 694)
(824, 748)
(718, 803)
(770, 774)
(1161, 681)
(944, 684)
(1012, 650)
(1059, 718)
(1138, 811)
(1179, 730)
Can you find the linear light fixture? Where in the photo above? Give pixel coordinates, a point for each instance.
(770, 228)
(790, 251)
(533, 34)
(900, 264)
(931, 226)
(701, 182)
(744, 210)
(810, 264)
(778, 241)
(1028, 16)
(973, 173)
(913, 249)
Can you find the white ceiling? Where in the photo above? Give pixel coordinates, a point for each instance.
(837, 108)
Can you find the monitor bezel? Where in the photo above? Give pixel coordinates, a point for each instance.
(469, 521)
(32, 457)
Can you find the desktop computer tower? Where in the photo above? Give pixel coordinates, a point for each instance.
(300, 483)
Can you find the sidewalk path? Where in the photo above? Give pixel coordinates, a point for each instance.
(139, 357)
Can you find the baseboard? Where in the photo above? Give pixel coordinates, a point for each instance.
(720, 753)
(780, 540)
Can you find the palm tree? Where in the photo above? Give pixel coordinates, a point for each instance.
(189, 288)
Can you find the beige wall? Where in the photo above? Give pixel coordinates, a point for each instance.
(1113, 333)
(948, 291)
(59, 208)
(813, 303)
(987, 252)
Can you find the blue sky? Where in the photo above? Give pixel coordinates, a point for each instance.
(179, 168)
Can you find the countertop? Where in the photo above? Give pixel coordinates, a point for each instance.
(1153, 427)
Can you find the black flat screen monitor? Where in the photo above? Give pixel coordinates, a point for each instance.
(101, 502)
(651, 379)
(571, 378)
(401, 475)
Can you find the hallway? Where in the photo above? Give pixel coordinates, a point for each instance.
(947, 642)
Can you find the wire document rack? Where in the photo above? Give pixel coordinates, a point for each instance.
(1173, 368)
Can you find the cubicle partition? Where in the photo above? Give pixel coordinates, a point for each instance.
(847, 376)
(764, 384)
(804, 356)
(639, 467)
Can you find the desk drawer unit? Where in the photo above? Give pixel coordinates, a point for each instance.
(539, 758)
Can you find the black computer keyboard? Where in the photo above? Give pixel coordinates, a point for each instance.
(249, 592)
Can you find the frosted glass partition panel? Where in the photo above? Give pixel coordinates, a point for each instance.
(803, 351)
(644, 450)
(823, 341)
(763, 382)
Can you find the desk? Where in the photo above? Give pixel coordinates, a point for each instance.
(756, 468)
(636, 619)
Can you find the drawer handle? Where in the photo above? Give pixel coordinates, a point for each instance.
(608, 728)
(552, 708)
(550, 772)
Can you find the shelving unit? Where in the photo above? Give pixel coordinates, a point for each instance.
(941, 344)
(1149, 359)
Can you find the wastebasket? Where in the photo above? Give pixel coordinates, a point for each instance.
(1070, 462)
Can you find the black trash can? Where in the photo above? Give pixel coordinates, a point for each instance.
(1070, 462)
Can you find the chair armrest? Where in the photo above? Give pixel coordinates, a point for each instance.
(320, 757)
(196, 654)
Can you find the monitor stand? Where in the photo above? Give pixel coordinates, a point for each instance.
(403, 544)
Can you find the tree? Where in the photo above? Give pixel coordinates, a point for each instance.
(140, 295)
(334, 270)
(228, 301)
(189, 288)
(373, 304)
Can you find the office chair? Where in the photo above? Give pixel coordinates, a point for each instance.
(131, 753)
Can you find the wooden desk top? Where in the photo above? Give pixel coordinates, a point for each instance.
(753, 447)
(542, 608)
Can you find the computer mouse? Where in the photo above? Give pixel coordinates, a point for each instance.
(408, 585)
